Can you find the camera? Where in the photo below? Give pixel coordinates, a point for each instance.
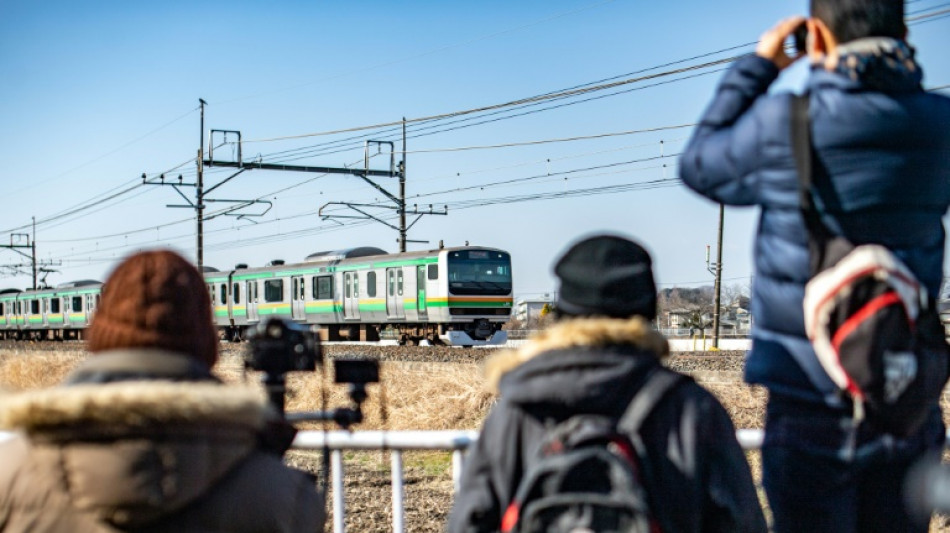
(278, 347)
(800, 38)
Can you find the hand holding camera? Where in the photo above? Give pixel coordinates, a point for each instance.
(772, 43)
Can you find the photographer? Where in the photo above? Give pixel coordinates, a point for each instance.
(881, 145)
(142, 436)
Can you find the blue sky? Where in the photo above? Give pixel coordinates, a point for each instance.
(96, 93)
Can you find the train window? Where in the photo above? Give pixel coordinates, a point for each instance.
(224, 293)
(391, 279)
(433, 272)
(236, 288)
(2, 309)
(293, 292)
(34, 307)
(301, 289)
(349, 286)
(54, 306)
(77, 304)
(273, 290)
(399, 282)
(323, 287)
(356, 285)
(371, 284)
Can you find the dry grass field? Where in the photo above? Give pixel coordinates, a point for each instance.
(420, 391)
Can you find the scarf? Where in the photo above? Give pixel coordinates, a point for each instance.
(881, 64)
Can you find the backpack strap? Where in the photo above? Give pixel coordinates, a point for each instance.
(656, 384)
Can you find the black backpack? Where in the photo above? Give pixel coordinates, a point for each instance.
(874, 328)
(587, 473)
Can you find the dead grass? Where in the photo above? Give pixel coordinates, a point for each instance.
(24, 369)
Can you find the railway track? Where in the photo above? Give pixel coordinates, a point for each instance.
(703, 367)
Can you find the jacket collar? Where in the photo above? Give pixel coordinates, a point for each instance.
(579, 333)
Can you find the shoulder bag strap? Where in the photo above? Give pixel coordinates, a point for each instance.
(825, 248)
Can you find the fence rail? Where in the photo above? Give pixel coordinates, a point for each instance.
(399, 441)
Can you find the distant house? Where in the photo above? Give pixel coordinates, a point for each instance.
(528, 310)
(733, 320)
(677, 318)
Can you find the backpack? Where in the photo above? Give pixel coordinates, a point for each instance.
(874, 328)
(587, 472)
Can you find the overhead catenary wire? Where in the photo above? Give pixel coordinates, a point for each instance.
(580, 89)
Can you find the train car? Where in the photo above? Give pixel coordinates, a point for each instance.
(58, 313)
(457, 296)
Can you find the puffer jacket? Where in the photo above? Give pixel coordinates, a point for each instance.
(887, 152)
(147, 441)
(699, 477)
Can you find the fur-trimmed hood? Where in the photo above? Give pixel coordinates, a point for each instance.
(635, 332)
(135, 389)
(589, 364)
(132, 405)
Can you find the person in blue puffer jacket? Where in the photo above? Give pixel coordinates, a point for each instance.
(885, 143)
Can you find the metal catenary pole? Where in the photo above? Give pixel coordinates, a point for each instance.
(199, 192)
(402, 192)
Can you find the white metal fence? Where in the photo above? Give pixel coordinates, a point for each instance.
(399, 441)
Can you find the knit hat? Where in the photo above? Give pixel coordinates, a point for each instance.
(155, 299)
(607, 276)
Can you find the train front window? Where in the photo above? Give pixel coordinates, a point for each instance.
(479, 272)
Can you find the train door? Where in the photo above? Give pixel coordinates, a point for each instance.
(76, 311)
(394, 307)
(251, 295)
(421, 291)
(298, 303)
(44, 312)
(90, 307)
(351, 296)
(224, 301)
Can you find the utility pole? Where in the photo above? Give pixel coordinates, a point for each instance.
(716, 270)
(199, 192)
(402, 191)
(33, 246)
(30, 242)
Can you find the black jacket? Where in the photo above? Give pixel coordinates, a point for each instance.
(699, 477)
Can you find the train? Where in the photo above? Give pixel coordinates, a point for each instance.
(459, 296)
